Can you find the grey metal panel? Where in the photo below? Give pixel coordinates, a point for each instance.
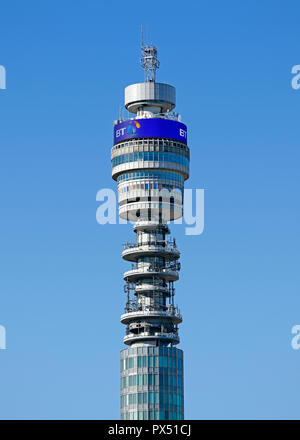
(150, 91)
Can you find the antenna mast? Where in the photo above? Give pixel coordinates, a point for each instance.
(149, 60)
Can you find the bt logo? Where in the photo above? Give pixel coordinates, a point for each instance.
(182, 133)
(130, 129)
(120, 132)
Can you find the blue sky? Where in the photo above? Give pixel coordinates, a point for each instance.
(61, 289)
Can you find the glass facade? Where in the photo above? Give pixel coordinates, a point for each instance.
(152, 383)
(151, 144)
(150, 156)
(148, 186)
(161, 175)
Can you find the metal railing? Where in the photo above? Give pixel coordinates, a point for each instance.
(166, 244)
(173, 116)
(152, 311)
(173, 335)
(146, 267)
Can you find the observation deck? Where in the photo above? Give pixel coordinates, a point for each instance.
(139, 271)
(164, 249)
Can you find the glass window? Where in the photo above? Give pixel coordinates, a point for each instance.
(166, 378)
(162, 415)
(161, 361)
(174, 380)
(150, 361)
(139, 361)
(158, 174)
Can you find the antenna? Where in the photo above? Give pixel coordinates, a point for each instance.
(149, 60)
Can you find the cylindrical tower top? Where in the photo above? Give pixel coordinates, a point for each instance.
(156, 97)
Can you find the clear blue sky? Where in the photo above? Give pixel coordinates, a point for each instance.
(61, 289)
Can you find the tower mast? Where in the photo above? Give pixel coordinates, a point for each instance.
(149, 60)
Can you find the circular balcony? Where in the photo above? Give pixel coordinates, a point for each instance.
(146, 336)
(128, 317)
(150, 165)
(137, 272)
(147, 225)
(140, 210)
(166, 250)
(164, 195)
(151, 287)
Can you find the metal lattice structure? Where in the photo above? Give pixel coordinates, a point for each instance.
(149, 62)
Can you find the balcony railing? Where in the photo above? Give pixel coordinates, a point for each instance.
(141, 335)
(153, 312)
(172, 115)
(146, 267)
(167, 245)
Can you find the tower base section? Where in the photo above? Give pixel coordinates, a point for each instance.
(152, 383)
